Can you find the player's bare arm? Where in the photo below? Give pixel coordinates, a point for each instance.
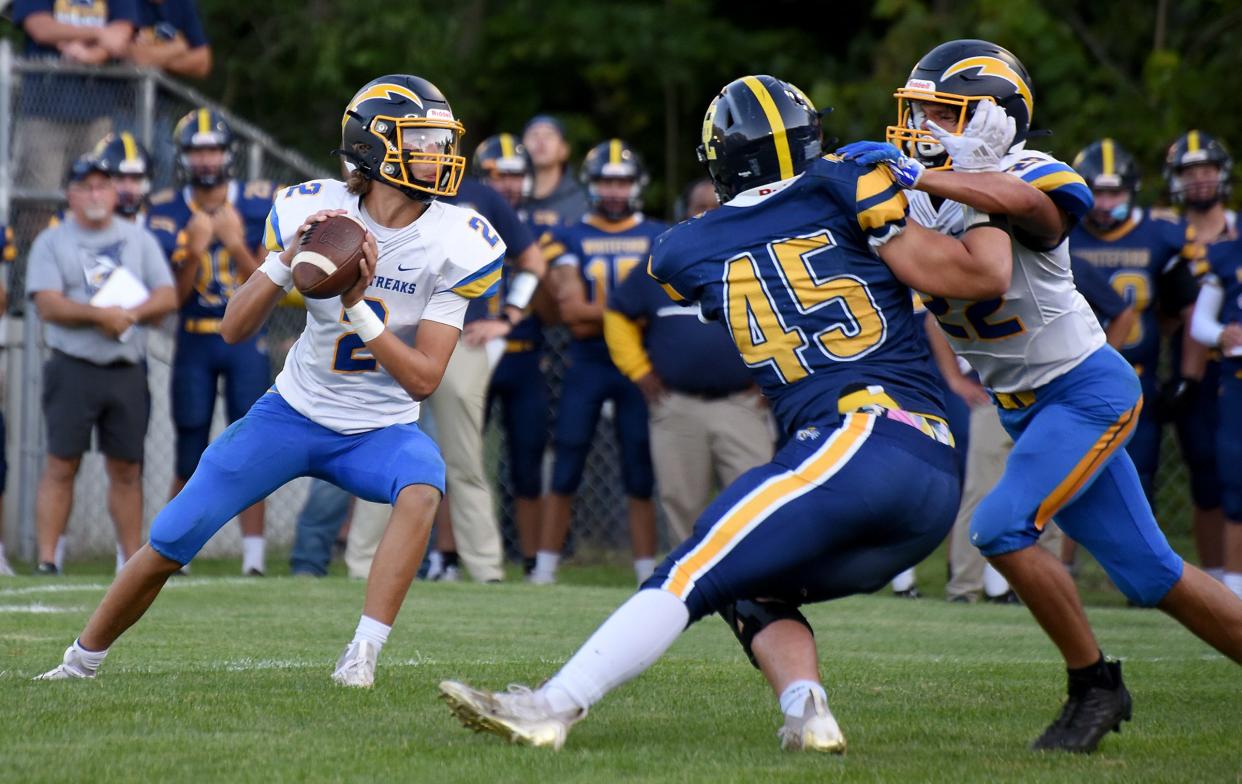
(249, 308)
(584, 319)
(998, 193)
(1119, 328)
(977, 267)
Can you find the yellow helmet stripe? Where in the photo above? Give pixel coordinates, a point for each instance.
(506, 145)
(131, 150)
(1107, 153)
(614, 151)
(1192, 141)
(204, 121)
(779, 137)
(382, 90)
(991, 66)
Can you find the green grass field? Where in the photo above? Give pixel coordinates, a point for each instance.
(227, 679)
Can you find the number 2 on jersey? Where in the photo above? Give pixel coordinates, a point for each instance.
(763, 337)
(345, 359)
(977, 318)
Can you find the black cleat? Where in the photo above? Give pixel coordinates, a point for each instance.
(46, 569)
(1087, 717)
(1008, 597)
(909, 593)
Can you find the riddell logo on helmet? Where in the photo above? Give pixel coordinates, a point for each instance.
(439, 114)
(922, 85)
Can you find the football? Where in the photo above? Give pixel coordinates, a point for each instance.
(326, 263)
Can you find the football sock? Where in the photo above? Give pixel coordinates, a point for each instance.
(253, 555)
(1233, 581)
(450, 558)
(1092, 676)
(994, 583)
(643, 568)
(793, 698)
(59, 557)
(904, 581)
(120, 558)
(528, 564)
(546, 563)
(435, 564)
(629, 642)
(91, 659)
(1216, 573)
(372, 631)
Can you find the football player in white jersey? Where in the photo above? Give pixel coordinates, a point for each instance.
(345, 405)
(1069, 401)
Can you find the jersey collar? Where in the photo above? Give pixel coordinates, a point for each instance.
(759, 193)
(610, 226)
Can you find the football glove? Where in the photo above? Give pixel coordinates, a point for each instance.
(1177, 397)
(906, 170)
(983, 143)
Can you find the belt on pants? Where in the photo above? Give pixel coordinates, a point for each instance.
(875, 401)
(201, 326)
(1015, 400)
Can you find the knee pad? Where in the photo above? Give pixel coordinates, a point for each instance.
(747, 618)
(999, 527)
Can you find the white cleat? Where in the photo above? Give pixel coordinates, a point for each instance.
(5, 569)
(815, 730)
(356, 667)
(541, 578)
(519, 716)
(72, 668)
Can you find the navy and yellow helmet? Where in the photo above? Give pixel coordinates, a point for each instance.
(1196, 148)
(1105, 164)
(502, 154)
(125, 156)
(960, 74)
(614, 160)
(204, 129)
(758, 130)
(400, 130)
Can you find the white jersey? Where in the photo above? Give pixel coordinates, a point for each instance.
(1042, 328)
(946, 219)
(428, 270)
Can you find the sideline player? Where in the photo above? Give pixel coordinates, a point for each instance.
(1217, 323)
(1069, 401)
(587, 261)
(1150, 260)
(130, 165)
(808, 262)
(345, 405)
(1198, 172)
(211, 229)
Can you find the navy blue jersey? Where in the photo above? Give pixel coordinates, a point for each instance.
(1150, 261)
(79, 13)
(170, 20)
(1094, 287)
(816, 315)
(218, 277)
(686, 354)
(517, 236)
(604, 253)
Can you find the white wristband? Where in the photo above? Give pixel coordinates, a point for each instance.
(365, 323)
(521, 289)
(276, 271)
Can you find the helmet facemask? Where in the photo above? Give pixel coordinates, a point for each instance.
(420, 154)
(1201, 196)
(615, 207)
(910, 134)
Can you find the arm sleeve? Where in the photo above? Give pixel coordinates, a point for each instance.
(476, 259)
(446, 307)
(1094, 288)
(42, 271)
(666, 267)
(290, 209)
(1066, 187)
(25, 8)
(1205, 326)
(880, 205)
(625, 345)
(555, 251)
(124, 11)
(192, 27)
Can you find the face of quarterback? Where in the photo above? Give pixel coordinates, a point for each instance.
(1112, 205)
(545, 145)
(508, 185)
(614, 196)
(206, 160)
(435, 141)
(92, 199)
(1200, 182)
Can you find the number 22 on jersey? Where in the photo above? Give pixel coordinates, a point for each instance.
(841, 309)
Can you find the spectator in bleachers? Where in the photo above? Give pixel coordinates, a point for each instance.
(556, 199)
(170, 37)
(8, 252)
(96, 378)
(61, 115)
(708, 422)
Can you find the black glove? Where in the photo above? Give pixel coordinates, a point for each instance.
(1177, 395)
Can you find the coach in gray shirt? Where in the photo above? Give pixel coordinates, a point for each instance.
(96, 377)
